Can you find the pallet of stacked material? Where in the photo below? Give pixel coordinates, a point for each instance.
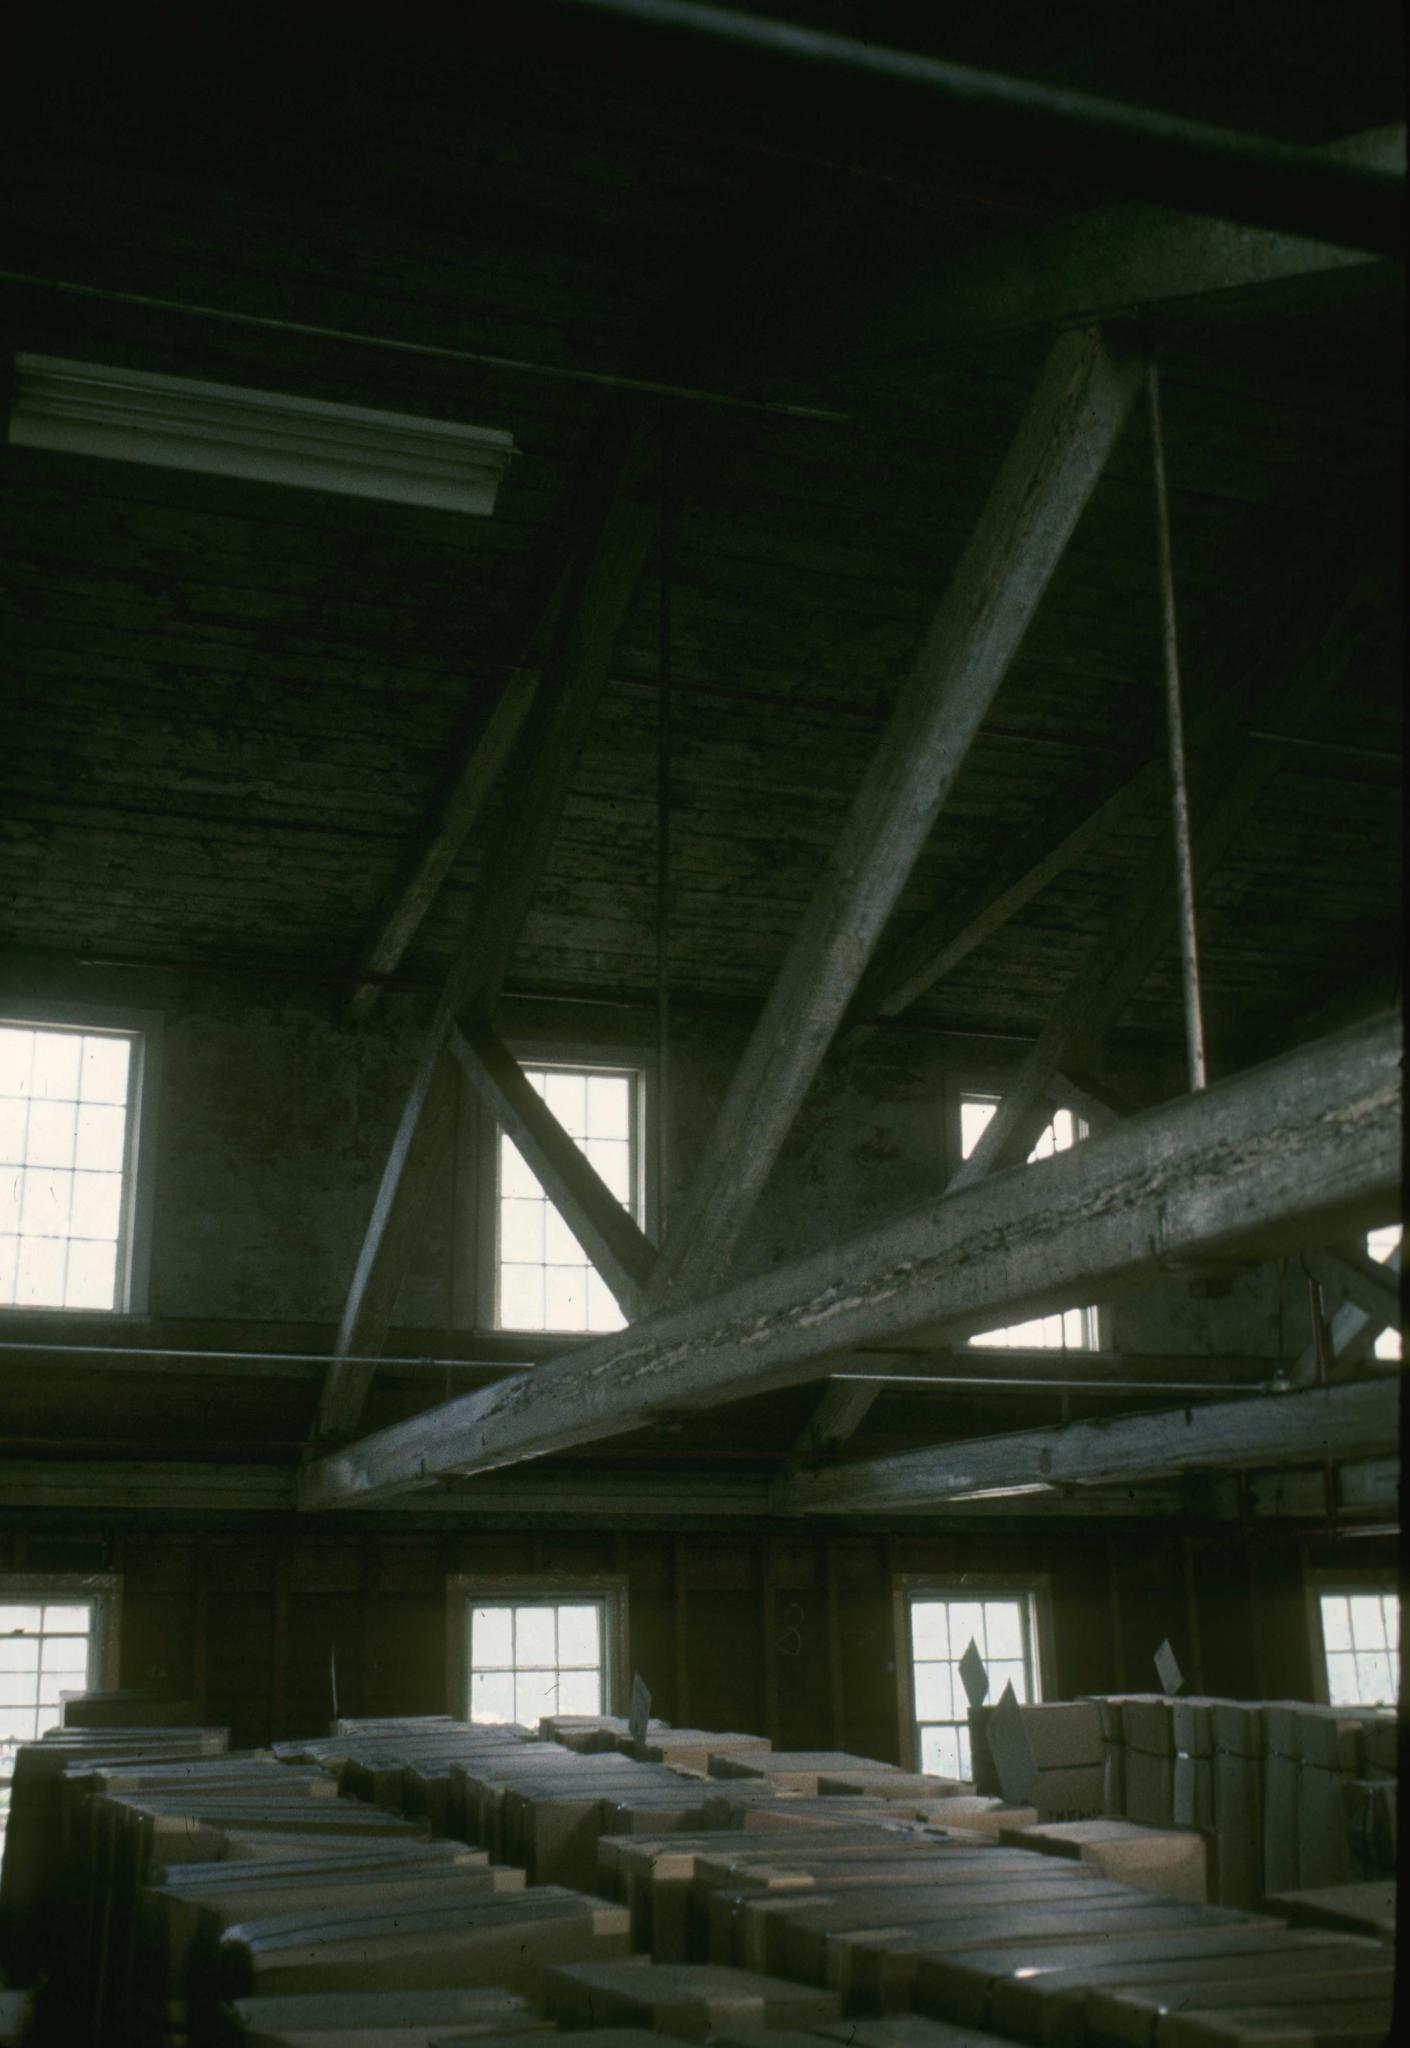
(690, 1749)
(734, 1803)
(888, 1783)
(795, 1935)
(551, 1822)
(592, 1734)
(753, 1864)
(370, 2019)
(653, 1876)
(481, 1782)
(975, 1813)
(1065, 1738)
(1150, 1759)
(727, 1894)
(791, 1770)
(1042, 1986)
(1137, 2015)
(1331, 1743)
(1369, 1807)
(32, 1875)
(1238, 1802)
(179, 1924)
(505, 1941)
(1192, 1784)
(686, 2000)
(1071, 2005)
(1282, 1769)
(881, 1971)
(128, 1708)
(1366, 1907)
(1366, 2024)
(1113, 1756)
(1171, 1861)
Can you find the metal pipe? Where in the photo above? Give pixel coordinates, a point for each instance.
(47, 1349)
(1180, 795)
(666, 546)
(514, 366)
(1132, 152)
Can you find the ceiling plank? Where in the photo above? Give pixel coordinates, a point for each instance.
(1321, 1424)
(1283, 1156)
(1077, 411)
(1289, 676)
(480, 755)
(1111, 263)
(621, 1251)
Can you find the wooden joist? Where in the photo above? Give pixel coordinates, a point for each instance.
(620, 1250)
(1320, 1424)
(1072, 422)
(1283, 1156)
(1301, 661)
(480, 754)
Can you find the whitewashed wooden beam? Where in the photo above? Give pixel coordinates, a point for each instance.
(1318, 1425)
(1077, 412)
(1282, 1157)
(620, 1250)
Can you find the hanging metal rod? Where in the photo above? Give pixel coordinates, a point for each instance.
(317, 1358)
(515, 366)
(1136, 152)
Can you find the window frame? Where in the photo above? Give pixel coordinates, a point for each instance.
(104, 1589)
(145, 1028)
(1035, 1587)
(1341, 1579)
(576, 1058)
(465, 1590)
(983, 1084)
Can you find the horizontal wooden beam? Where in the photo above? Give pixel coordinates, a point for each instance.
(1287, 1155)
(1357, 1420)
(1116, 1372)
(620, 1250)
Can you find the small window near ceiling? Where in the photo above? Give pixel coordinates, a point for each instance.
(1361, 1642)
(544, 1280)
(528, 1658)
(942, 1626)
(1382, 1245)
(1073, 1329)
(67, 1165)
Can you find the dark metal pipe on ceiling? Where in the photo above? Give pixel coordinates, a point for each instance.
(1131, 152)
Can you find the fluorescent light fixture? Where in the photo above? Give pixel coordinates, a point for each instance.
(179, 423)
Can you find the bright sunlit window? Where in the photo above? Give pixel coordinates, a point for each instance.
(66, 1159)
(1361, 1637)
(1074, 1329)
(1381, 1244)
(544, 1278)
(46, 1648)
(537, 1657)
(942, 1628)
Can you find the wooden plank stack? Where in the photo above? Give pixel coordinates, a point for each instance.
(308, 1897)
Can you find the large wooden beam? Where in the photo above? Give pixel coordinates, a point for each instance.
(611, 1237)
(1283, 1157)
(1273, 1429)
(1293, 681)
(1075, 416)
(480, 754)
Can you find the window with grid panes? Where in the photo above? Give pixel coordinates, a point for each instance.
(1361, 1639)
(528, 1658)
(544, 1279)
(1074, 1329)
(46, 1649)
(941, 1630)
(66, 1165)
